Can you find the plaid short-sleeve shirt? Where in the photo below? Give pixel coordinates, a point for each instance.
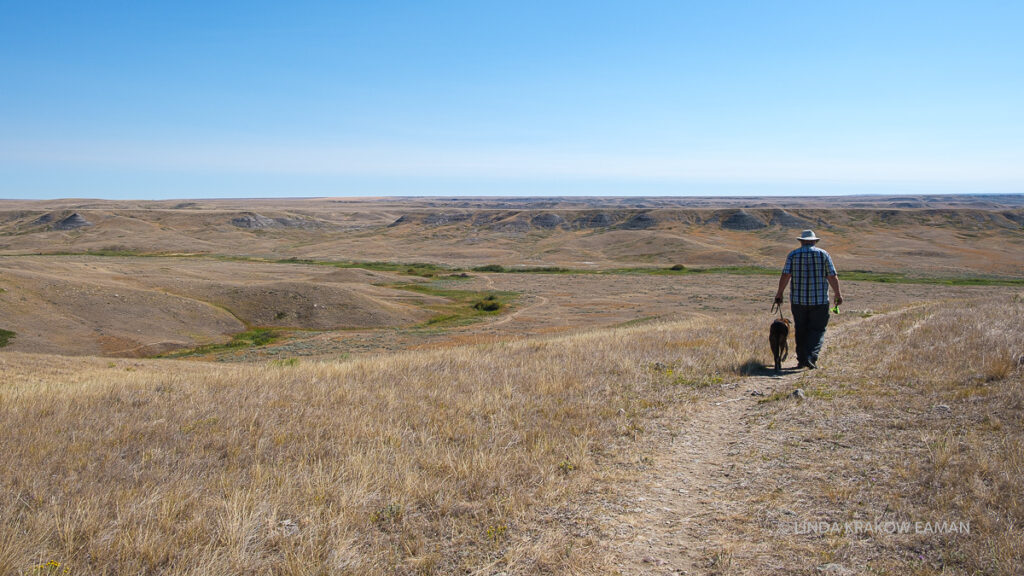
(810, 266)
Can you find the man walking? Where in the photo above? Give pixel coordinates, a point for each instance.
(811, 270)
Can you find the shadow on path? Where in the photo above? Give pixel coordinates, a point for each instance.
(756, 368)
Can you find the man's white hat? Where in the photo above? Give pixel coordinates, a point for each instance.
(808, 236)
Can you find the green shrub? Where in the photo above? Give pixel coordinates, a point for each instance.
(488, 304)
(543, 270)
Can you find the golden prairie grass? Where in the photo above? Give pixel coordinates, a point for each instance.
(472, 460)
(486, 459)
(916, 416)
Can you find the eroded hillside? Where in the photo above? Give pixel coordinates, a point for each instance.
(931, 235)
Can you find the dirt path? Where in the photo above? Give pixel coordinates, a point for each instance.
(680, 519)
(488, 282)
(672, 523)
(541, 301)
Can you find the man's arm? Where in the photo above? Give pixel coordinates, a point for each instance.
(833, 281)
(783, 281)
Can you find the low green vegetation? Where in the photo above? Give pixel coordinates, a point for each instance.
(528, 269)
(680, 270)
(251, 338)
(422, 269)
(857, 275)
(442, 319)
(546, 270)
(463, 306)
(108, 252)
(901, 278)
(429, 270)
(5, 337)
(254, 337)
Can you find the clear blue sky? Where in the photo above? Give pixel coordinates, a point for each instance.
(217, 99)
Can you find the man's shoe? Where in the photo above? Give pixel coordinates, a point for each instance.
(810, 365)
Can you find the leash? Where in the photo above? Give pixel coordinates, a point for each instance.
(778, 307)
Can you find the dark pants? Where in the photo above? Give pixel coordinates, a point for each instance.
(809, 322)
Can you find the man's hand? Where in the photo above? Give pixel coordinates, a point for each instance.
(778, 299)
(839, 299)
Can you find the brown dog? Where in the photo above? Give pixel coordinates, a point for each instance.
(778, 337)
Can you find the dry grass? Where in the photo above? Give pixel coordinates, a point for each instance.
(117, 306)
(509, 457)
(470, 460)
(916, 416)
(127, 307)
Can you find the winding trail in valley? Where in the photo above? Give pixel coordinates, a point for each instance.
(539, 302)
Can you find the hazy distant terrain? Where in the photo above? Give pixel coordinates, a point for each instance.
(937, 235)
